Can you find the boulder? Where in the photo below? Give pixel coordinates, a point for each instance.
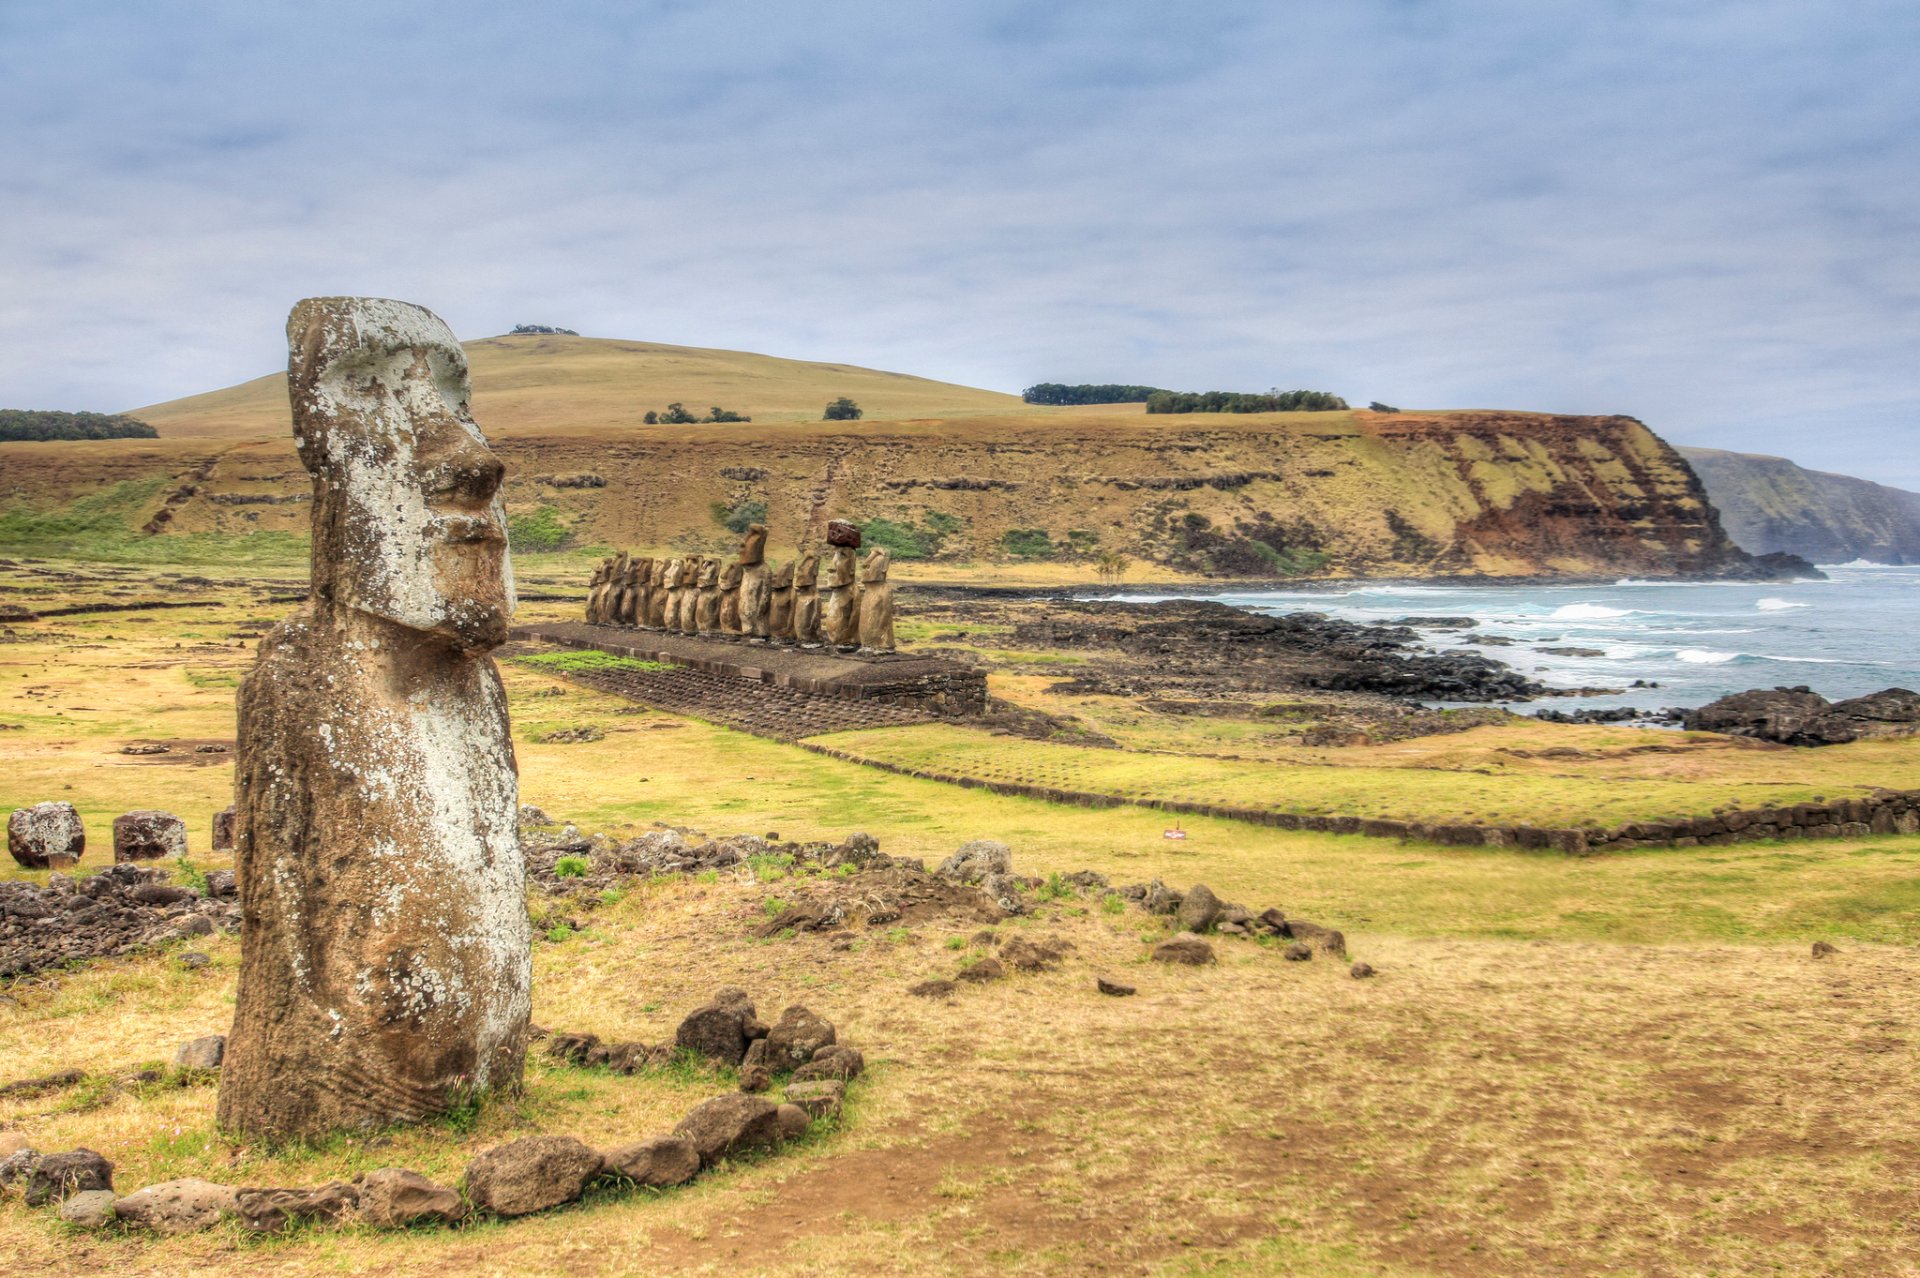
(1160, 899)
(395, 1198)
(1892, 712)
(659, 1162)
(839, 1061)
(148, 834)
(531, 1174)
(1360, 971)
(820, 1097)
(791, 1122)
(1198, 909)
(1297, 952)
(1107, 985)
(89, 1209)
(274, 1211)
(796, 1038)
(1824, 949)
(52, 1177)
(37, 835)
(976, 860)
(1004, 891)
(729, 1124)
(177, 1206)
(1323, 939)
(987, 969)
(755, 1078)
(1189, 949)
(1024, 955)
(201, 1053)
(223, 831)
(717, 1032)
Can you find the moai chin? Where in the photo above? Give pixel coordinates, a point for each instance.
(756, 585)
(840, 600)
(780, 605)
(730, 601)
(806, 599)
(385, 957)
(876, 602)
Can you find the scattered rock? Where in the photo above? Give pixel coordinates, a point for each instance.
(1004, 891)
(1188, 949)
(839, 1061)
(1160, 899)
(797, 1038)
(1801, 717)
(201, 1053)
(1024, 955)
(1323, 939)
(729, 1124)
(192, 960)
(223, 831)
(820, 1097)
(530, 815)
(1198, 909)
(791, 1122)
(987, 969)
(531, 1174)
(1821, 949)
(718, 1030)
(1297, 952)
(1360, 971)
(755, 1078)
(273, 1211)
(38, 834)
(148, 834)
(50, 1178)
(932, 989)
(177, 1206)
(659, 1162)
(1107, 985)
(89, 1209)
(976, 860)
(395, 1198)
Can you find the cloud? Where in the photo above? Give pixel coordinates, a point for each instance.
(1701, 214)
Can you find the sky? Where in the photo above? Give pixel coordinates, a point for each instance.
(1706, 215)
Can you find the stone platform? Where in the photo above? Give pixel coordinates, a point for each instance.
(787, 693)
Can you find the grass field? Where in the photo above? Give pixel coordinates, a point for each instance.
(1619, 1065)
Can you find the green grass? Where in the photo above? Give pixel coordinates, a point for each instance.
(584, 660)
(104, 527)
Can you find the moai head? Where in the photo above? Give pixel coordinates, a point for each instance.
(600, 572)
(408, 524)
(840, 567)
(709, 573)
(806, 569)
(783, 577)
(658, 579)
(675, 569)
(730, 577)
(879, 559)
(636, 572)
(753, 547)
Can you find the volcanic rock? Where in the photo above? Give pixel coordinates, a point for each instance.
(148, 835)
(44, 831)
(395, 1198)
(660, 1162)
(531, 1174)
(729, 1124)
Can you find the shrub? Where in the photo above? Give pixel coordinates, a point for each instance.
(841, 410)
(909, 540)
(1378, 407)
(1086, 393)
(1026, 543)
(571, 867)
(742, 515)
(45, 424)
(539, 531)
(677, 415)
(1274, 401)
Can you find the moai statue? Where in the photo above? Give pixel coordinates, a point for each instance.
(385, 958)
(689, 596)
(707, 619)
(840, 601)
(597, 592)
(642, 578)
(780, 605)
(657, 595)
(876, 602)
(620, 590)
(806, 599)
(756, 585)
(730, 601)
(675, 592)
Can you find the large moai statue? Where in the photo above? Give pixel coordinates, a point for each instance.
(806, 599)
(707, 619)
(597, 592)
(780, 605)
(616, 590)
(730, 601)
(385, 960)
(756, 584)
(689, 596)
(876, 602)
(637, 574)
(657, 595)
(676, 593)
(840, 599)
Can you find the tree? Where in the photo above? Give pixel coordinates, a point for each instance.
(677, 415)
(842, 410)
(1377, 407)
(1112, 565)
(720, 414)
(652, 418)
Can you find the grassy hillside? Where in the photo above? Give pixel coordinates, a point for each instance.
(531, 385)
(1769, 504)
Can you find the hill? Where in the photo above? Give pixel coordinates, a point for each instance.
(536, 384)
(1770, 504)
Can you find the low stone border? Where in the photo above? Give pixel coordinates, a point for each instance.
(1889, 812)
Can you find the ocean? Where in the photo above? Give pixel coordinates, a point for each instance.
(1855, 633)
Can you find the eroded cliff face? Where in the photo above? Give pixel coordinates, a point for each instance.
(1769, 504)
(1270, 495)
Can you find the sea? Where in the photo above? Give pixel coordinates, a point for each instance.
(1854, 633)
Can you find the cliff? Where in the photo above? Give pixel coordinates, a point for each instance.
(1769, 504)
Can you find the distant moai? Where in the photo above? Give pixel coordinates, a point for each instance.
(730, 601)
(806, 598)
(639, 576)
(876, 602)
(840, 599)
(689, 595)
(597, 592)
(756, 584)
(707, 618)
(780, 605)
(385, 965)
(622, 588)
(657, 595)
(676, 593)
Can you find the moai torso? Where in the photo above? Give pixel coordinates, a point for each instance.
(729, 600)
(806, 599)
(780, 605)
(876, 602)
(707, 618)
(839, 600)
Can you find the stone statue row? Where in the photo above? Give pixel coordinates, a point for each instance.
(746, 599)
